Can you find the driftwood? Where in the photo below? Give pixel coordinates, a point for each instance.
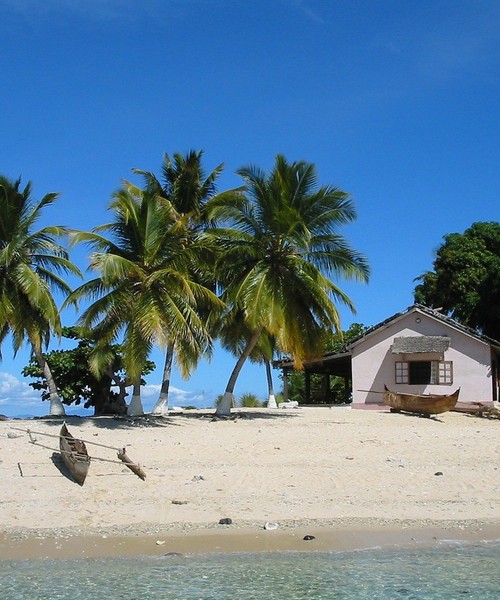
(479, 409)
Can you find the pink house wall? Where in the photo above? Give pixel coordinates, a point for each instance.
(373, 364)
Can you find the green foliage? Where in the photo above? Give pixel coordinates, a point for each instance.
(250, 401)
(31, 265)
(76, 380)
(341, 339)
(296, 386)
(147, 281)
(279, 249)
(339, 389)
(465, 282)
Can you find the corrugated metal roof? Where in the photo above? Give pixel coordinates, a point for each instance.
(420, 344)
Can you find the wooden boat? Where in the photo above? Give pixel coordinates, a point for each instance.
(74, 454)
(421, 404)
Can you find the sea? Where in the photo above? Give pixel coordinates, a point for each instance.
(451, 571)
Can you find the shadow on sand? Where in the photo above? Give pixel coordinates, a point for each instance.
(434, 418)
(174, 418)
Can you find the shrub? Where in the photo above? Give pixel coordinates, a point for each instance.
(250, 401)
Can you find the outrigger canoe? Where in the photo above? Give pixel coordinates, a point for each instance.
(420, 404)
(74, 454)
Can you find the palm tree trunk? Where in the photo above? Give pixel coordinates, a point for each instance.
(135, 407)
(271, 400)
(56, 406)
(161, 406)
(224, 406)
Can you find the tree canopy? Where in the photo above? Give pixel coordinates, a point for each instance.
(76, 379)
(465, 280)
(279, 252)
(145, 290)
(32, 264)
(184, 184)
(177, 266)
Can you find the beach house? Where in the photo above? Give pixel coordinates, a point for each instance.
(419, 350)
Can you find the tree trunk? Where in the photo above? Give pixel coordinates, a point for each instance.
(135, 407)
(224, 406)
(113, 403)
(271, 400)
(56, 406)
(161, 406)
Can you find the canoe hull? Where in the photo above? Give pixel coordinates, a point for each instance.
(74, 455)
(431, 404)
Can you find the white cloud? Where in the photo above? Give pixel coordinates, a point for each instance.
(17, 397)
(176, 397)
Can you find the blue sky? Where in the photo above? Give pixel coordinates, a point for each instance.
(396, 102)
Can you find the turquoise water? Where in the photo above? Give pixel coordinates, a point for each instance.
(452, 572)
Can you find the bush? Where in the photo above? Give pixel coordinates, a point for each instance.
(250, 401)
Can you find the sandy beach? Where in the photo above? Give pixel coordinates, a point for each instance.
(348, 478)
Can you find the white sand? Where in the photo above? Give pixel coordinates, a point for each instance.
(306, 466)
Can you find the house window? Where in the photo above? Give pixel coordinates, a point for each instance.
(424, 372)
(402, 372)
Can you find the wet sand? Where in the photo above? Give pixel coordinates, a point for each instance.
(230, 539)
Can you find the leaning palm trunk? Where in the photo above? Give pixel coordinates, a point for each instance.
(56, 406)
(271, 400)
(161, 406)
(135, 407)
(224, 406)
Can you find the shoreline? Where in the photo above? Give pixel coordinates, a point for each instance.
(338, 535)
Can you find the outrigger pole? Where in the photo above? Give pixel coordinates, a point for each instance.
(121, 453)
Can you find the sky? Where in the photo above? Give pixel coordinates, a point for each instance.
(394, 101)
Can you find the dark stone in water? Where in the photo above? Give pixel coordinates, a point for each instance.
(168, 554)
(308, 537)
(225, 521)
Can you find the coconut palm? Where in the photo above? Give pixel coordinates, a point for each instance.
(189, 190)
(31, 267)
(144, 290)
(233, 332)
(184, 184)
(278, 252)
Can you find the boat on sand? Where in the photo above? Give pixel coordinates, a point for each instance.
(421, 404)
(74, 455)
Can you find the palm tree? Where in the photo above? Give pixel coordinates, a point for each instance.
(277, 253)
(144, 290)
(233, 332)
(31, 265)
(190, 191)
(185, 185)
